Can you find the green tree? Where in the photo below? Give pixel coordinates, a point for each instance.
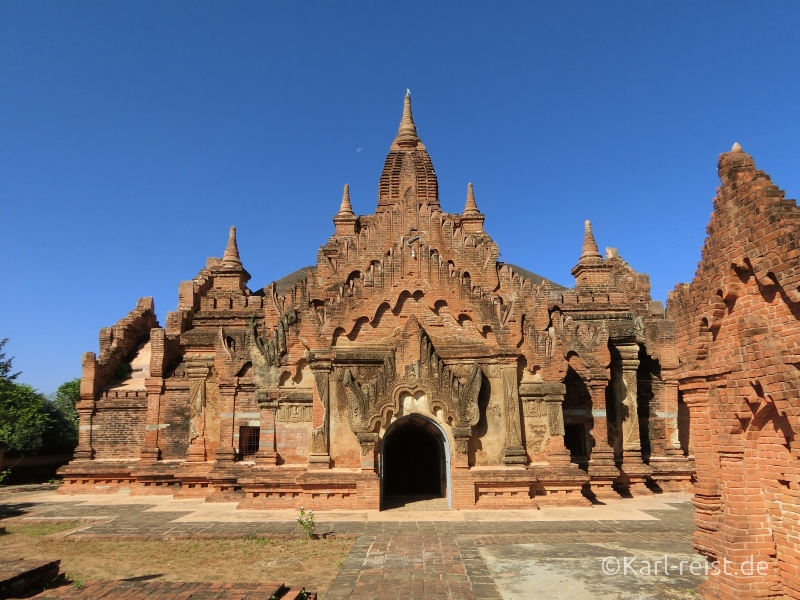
(26, 417)
(29, 422)
(64, 401)
(6, 376)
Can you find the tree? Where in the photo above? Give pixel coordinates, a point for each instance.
(26, 417)
(6, 376)
(29, 422)
(64, 401)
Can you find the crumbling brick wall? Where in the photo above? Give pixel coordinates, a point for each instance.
(738, 338)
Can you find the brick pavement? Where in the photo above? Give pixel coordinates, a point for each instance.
(409, 557)
(119, 590)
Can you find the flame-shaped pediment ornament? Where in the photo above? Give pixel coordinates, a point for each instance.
(266, 355)
(232, 351)
(372, 398)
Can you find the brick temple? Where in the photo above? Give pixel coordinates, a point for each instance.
(408, 363)
(738, 337)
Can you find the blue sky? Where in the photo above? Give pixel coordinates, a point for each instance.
(133, 134)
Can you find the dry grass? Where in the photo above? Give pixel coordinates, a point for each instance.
(297, 562)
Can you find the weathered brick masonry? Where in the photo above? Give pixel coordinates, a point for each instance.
(407, 361)
(738, 337)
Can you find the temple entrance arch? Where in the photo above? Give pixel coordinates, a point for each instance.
(415, 461)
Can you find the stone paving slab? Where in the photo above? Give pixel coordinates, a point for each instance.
(129, 518)
(548, 553)
(197, 510)
(575, 569)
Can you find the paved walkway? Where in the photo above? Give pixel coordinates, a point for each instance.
(549, 553)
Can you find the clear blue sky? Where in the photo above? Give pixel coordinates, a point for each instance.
(133, 134)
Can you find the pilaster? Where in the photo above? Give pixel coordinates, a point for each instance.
(368, 442)
(514, 453)
(197, 373)
(226, 453)
(320, 457)
(267, 455)
(84, 450)
(460, 458)
(602, 468)
(633, 471)
(150, 450)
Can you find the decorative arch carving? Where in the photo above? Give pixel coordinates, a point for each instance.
(372, 399)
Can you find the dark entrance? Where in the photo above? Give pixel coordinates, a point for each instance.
(412, 461)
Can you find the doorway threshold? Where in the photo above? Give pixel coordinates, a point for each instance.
(414, 502)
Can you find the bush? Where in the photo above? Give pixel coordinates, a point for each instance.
(306, 521)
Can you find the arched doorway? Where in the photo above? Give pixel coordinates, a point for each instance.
(415, 462)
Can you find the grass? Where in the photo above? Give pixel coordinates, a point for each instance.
(35, 530)
(311, 564)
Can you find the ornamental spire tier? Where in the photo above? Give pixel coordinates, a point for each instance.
(231, 256)
(346, 208)
(229, 274)
(591, 272)
(345, 220)
(408, 177)
(589, 250)
(470, 207)
(471, 218)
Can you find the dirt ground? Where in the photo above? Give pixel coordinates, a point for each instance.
(297, 562)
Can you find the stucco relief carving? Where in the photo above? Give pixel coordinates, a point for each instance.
(535, 408)
(555, 418)
(197, 393)
(511, 395)
(266, 355)
(537, 437)
(320, 435)
(542, 408)
(293, 413)
(198, 373)
(371, 398)
(232, 352)
(630, 413)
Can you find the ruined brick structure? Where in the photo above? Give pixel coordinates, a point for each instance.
(408, 361)
(738, 336)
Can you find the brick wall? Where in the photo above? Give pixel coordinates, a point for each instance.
(738, 338)
(118, 431)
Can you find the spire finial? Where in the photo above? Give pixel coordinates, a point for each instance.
(589, 245)
(407, 133)
(470, 207)
(346, 208)
(231, 256)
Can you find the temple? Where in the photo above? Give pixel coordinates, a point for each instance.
(738, 334)
(408, 363)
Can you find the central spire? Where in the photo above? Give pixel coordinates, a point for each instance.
(407, 133)
(408, 177)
